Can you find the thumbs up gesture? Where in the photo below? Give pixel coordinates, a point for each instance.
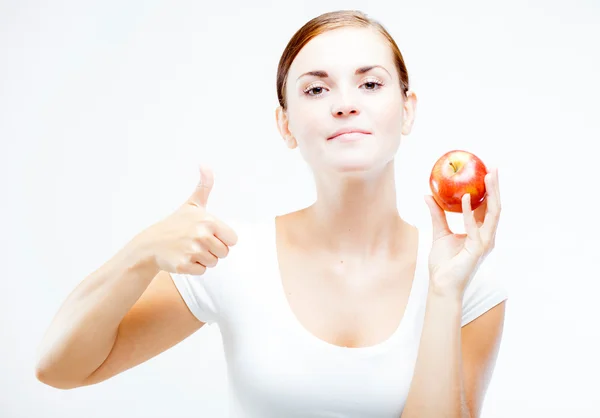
(190, 240)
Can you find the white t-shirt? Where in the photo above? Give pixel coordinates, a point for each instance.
(277, 368)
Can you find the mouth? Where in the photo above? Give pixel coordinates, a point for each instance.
(348, 137)
(348, 134)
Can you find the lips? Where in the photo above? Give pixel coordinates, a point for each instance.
(347, 131)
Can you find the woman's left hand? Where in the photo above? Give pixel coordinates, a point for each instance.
(455, 258)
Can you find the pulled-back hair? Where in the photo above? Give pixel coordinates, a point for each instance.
(324, 23)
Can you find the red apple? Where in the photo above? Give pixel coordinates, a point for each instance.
(456, 173)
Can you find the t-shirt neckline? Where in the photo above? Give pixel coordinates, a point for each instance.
(406, 322)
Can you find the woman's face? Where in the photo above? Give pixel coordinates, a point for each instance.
(352, 83)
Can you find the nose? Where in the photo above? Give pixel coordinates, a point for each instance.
(344, 108)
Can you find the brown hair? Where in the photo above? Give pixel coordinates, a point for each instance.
(326, 22)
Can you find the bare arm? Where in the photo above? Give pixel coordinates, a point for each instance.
(159, 320)
(129, 310)
(455, 364)
(121, 315)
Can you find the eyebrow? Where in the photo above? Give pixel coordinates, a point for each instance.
(360, 70)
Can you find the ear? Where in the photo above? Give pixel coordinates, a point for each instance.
(410, 108)
(284, 129)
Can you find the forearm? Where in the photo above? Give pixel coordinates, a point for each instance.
(84, 329)
(437, 386)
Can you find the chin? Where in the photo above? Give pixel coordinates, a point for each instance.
(355, 167)
(352, 161)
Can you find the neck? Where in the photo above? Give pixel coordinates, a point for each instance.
(357, 214)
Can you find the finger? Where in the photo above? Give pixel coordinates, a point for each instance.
(195, 269)
(216, 247)
(492, 216)
(225, 233)
(473, 242)
(200, 195)
(205, 258)
(480, 212)
(497, 185)
(438, 218)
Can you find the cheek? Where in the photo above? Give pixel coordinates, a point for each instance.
(387, 116)
(309, 126)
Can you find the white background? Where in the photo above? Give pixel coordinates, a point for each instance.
(107, 108)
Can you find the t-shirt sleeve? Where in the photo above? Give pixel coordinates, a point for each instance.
(207, 295)
(485, 291)
(196, 293)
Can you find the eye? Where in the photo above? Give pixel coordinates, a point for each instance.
(372, 85)
(317, 90)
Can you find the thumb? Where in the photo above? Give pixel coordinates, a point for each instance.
(438, 218)
(203, 188)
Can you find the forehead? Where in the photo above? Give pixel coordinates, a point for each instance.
(343, 49)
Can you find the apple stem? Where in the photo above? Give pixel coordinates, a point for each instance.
(452, 165)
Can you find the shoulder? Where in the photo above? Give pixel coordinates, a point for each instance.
(486, 289)
(251, 256)
(220, 289)
(252, 235)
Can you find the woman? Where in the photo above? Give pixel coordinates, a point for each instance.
(340, 309)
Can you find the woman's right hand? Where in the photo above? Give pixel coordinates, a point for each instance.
(190, 239)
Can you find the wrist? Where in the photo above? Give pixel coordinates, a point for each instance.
(445, 291)
(139, 255)
(444, 308)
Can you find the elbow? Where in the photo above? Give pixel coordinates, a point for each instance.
(44, 376)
